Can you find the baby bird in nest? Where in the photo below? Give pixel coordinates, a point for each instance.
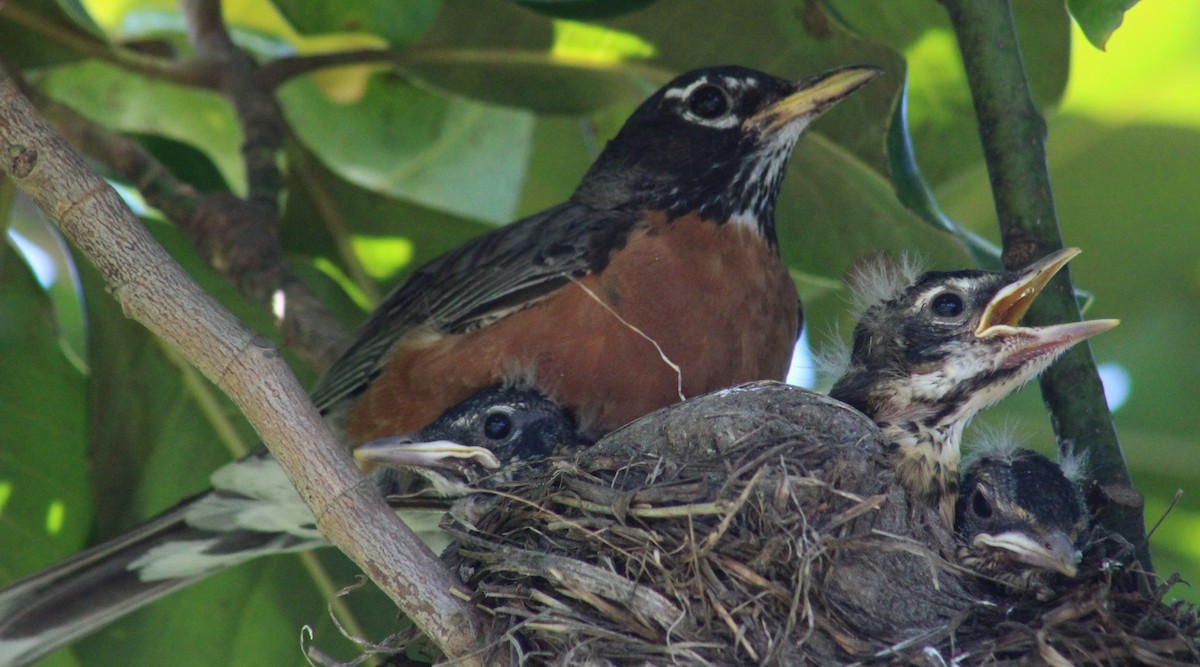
(929, 353)
(1021, 517)
(484, 439)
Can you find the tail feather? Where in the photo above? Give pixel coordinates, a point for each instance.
(253, 511)
(92, 589)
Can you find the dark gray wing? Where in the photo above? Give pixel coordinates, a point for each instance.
(477, 284)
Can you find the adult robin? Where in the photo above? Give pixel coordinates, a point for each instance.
(1021, 517)
(929, 353)
(659, 278)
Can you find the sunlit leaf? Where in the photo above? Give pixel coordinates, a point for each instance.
(1149, 72)
(1099, 19)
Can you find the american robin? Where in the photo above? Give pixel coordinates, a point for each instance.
(929, 353)
(1021, 517)
(660, 277)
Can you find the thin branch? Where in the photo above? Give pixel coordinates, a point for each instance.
(1014, 134)
(280, 70)
(260, 117)
(184, 72)
(155, 291)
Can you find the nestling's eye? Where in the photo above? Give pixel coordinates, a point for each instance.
(497, 426)
(708, 102)
(947, 304)
(980, 505)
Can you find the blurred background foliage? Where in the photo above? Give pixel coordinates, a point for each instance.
(491, 110)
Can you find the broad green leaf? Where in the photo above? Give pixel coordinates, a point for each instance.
(941, 118)
(836, 209)
(327, 212)
(397, 22)
(131, 103)
(45, 509)
(537, 63)
(914, 193)
(458, 156)
(1099, 19)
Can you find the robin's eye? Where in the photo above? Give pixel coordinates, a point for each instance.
(947, 304)
(497, 426)
(980, 506)
(708, 102)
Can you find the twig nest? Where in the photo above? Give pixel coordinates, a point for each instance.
(755, 525)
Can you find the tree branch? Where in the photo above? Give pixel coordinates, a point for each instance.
(155, 291)
(1013, 135)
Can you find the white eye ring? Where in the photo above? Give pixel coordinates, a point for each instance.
(684, 95)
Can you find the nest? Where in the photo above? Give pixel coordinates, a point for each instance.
(764, 526)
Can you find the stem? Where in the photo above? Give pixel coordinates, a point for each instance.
(1014, 144)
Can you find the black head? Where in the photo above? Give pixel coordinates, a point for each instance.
(489, 433)
(713, 141)
(929, 353)
(1019, 518)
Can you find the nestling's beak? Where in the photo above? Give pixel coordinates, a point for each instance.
(814, 96)
(1054, 552)
(404, 452)
(1010, 304)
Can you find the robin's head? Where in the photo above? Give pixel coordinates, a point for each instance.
(929, 353)
(714, 141)
(487, 434)
(1020, 517)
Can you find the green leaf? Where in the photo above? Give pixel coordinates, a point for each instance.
(24, 29)
(836, 209)
(45, 509)
(399, 22)
(130, 103)
(79, 15)
(455, 155)
(913, 192)
(1099, 19)
(941, 117)
(535, 63)
(327, 213)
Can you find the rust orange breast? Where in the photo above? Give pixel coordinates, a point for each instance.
(715, 299)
